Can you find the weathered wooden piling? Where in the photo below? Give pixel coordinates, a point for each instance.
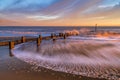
(38, 41)
(64, 36)
(23, 39)
(11, 45)
(60, 34)
(67, 34)
(40, 36)
(52, 35)
(95, 27)
(10, 53)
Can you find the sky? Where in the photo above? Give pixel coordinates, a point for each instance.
(59, 12)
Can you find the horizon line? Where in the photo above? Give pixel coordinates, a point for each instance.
(60, 26)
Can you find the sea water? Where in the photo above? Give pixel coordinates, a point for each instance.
(45, 31)
(91, 56)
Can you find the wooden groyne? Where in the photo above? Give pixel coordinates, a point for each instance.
(38, 40)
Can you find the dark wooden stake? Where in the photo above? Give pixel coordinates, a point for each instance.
(23, 39)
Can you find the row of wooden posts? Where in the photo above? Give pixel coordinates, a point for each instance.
(39, 39)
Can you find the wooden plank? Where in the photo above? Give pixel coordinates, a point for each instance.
(4, 43)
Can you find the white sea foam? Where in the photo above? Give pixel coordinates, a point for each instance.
(91, 57)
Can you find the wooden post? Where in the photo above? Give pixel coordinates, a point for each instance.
(38, 41)
(52, 35)
(40, 37)
(23, 39)
(95, 27)
(11, 45)
(60, 34)
(67, 34)
(64, 36)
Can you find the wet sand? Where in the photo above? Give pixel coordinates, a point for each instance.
(12, 68)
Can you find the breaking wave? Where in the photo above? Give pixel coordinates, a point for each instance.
(86, 56)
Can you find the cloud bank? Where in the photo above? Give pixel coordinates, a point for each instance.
(59, 12)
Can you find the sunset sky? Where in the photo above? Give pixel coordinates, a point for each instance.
(59, 12)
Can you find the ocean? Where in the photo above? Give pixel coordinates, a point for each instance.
(82, 57)
(35, 31)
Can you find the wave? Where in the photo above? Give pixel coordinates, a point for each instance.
(91, 57)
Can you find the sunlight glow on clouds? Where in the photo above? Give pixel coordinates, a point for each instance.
(59, 12)
(43, 17)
